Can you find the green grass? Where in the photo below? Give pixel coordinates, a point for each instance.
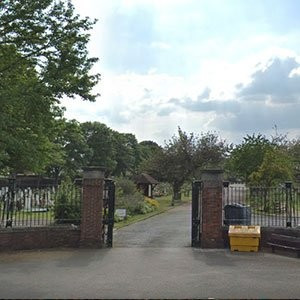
(164, 205)
(24, 215)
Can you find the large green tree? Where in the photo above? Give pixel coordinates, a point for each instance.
(72, 143)
(127, 154)
(248, 156)
(100, 139)
(184, 156)
(275, 168)
(43, 57)
(53, 39)
(26, 118)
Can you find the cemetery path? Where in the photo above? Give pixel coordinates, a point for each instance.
(169, 229)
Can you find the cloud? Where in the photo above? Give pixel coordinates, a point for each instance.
(259, 117)
(205, 94)
(278, 82)
(202, 104)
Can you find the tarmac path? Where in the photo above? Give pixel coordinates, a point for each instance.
(150, 260)
(169, 229)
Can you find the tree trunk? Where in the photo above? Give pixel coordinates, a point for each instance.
(176, 193)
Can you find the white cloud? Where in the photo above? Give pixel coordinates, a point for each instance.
(209, 55)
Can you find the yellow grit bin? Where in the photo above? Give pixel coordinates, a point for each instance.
(244, 238)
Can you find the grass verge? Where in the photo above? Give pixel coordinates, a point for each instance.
(164, 205)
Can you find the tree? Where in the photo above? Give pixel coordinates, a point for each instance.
(276, 168)
(100, 140)
(293, 151)
(247, 157)
(184, 156)
(53, 39)
(73, 144)
(127, 155)
(26, 118)
(147, 149)
(43, 57)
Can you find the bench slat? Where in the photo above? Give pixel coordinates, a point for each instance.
(285, 241)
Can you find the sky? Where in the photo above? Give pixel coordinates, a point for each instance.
(230, 67)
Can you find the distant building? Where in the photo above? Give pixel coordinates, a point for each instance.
(145, 183)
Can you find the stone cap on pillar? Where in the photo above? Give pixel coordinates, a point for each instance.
(93, 172)
(212, 177)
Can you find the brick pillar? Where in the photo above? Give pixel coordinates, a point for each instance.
(92, 204)
(211, 236)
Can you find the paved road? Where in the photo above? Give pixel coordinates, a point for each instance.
(148, 273)
(149, 267)
(170, 229)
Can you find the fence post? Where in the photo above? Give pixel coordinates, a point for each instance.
(211, 236)
(92, 204)
(288, 190)
(196, 213)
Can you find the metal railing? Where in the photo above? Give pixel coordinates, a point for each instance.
(264, 206)
(35, 206)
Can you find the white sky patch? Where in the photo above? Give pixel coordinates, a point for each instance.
(154, 50)
(160, 45)
(295, 73)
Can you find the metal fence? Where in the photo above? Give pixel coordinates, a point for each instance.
(24, 205)
(264, 206)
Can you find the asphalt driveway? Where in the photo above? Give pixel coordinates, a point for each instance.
(149, 267)
(170, 229)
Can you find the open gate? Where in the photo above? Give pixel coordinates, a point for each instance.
(108, 212)
(196, 213)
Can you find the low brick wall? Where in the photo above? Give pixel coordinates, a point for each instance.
(39, 237)
(265, 234)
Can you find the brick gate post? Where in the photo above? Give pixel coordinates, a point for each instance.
(211, 236)
(92, 204)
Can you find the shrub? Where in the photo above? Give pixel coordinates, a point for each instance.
(67, 208)
(152, 202)
(125, 186)
(144, 208)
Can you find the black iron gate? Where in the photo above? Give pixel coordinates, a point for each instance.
(108, 212)
(196, 213)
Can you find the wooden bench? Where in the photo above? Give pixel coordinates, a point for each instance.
(287, 242)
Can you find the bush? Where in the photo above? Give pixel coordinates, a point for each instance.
(152, 202)
(125, 186)
(130, 202)
(144, 208)
(127, 196)
(67, 208)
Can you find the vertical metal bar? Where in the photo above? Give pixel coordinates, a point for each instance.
(111, 213)
(225, 199)
(196, 185)
(288, 187)
(10, 199)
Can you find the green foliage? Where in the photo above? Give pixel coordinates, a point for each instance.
(152, 202)
(67, 207)
(247, 157)
(43, 57)
(127, 155)
(144, 208)
(275, 168)
(99, 139)
(53, 39)
(72, 143)
(125, 186)
(293, 151)
(127, 195)
(184, 156)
